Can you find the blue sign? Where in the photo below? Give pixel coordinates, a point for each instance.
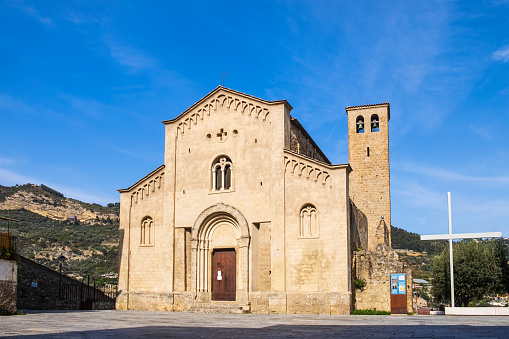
(398, 283)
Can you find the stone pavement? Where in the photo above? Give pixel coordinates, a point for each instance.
(137, 324)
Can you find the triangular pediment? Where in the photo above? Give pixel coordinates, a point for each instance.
(224, 98)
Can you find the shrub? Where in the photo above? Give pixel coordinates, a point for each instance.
(359, 283)
(370, 312)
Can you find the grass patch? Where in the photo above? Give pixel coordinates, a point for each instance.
(370, 312)
(4, 312)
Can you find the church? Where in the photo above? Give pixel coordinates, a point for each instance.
(247, 214)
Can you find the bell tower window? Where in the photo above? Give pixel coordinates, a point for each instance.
(375, 123)
(222, 174)
(359, 122)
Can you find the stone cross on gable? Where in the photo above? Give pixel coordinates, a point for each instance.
(452, 236)
(222, 134)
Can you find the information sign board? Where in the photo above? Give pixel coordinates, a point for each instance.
(398, 283)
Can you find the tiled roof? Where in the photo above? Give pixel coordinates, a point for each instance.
(372, 105)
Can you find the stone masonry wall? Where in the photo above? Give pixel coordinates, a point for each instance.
(8, 285)
(302, 143)
(359, 228)
(375, 268)
(368, 155)
(38, 287)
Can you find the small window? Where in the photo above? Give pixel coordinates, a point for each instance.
(360, 124)
(222, 174)
(147, 232)
(308, 222)
(375, 123)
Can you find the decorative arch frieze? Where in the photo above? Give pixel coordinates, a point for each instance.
(228, 102)
(306, 171)
(145, 188)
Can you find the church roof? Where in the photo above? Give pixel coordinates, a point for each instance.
(297, 124)
(122, 190)
(229, 90)
(348, 108)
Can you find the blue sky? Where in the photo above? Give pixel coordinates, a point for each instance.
(84, 86)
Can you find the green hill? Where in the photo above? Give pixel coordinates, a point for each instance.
(90, 248)
(405, 240)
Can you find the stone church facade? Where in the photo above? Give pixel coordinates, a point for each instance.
(248, 215)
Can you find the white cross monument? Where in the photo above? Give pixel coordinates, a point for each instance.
(451, 236)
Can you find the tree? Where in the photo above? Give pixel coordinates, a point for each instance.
(479, 268)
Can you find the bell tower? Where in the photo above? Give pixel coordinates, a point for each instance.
(369, 181)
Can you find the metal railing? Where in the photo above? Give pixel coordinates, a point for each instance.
(88, 291)
(8, 246)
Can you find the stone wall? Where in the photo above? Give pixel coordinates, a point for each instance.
(39, 286)
(368, 155)
(359, 228)
(8, 284)
(302, 143)
(375, 268)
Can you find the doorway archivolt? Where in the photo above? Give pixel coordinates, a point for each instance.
(219, 226)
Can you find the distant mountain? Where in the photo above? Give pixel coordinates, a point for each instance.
(50, 203)
(50, 225)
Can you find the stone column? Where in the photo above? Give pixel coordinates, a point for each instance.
(231, 176)
(206, 266)
(243, 244)
(222, 178)
(214, 179)
(194, 265)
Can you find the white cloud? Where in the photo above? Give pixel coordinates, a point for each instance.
(129, 56)
(445, 174)
(502, 54)
(89, 107)
(9, 178)
(485, 131)
(7, 161)
(130, 153)
(417, 195)
(14, 105)
(80, 18)
(32, 12)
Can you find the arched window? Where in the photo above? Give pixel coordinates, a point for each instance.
(308, 222)
(147, 231)
(222, 174)
(359, 123)
(375, 123)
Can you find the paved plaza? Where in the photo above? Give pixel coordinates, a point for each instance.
(137, 324)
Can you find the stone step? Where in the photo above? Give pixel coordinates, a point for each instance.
(221, 307)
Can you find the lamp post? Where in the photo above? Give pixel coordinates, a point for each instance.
(61, 259)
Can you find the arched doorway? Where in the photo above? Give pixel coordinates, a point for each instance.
(220, 235)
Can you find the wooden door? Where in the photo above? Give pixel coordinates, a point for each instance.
(224, 272)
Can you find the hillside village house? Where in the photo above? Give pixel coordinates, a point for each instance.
(248, 215)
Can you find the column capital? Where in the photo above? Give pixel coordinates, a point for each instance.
(243, 241)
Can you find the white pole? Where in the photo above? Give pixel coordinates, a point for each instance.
(450, 250)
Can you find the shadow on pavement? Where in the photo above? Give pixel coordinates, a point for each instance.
(286, 331)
